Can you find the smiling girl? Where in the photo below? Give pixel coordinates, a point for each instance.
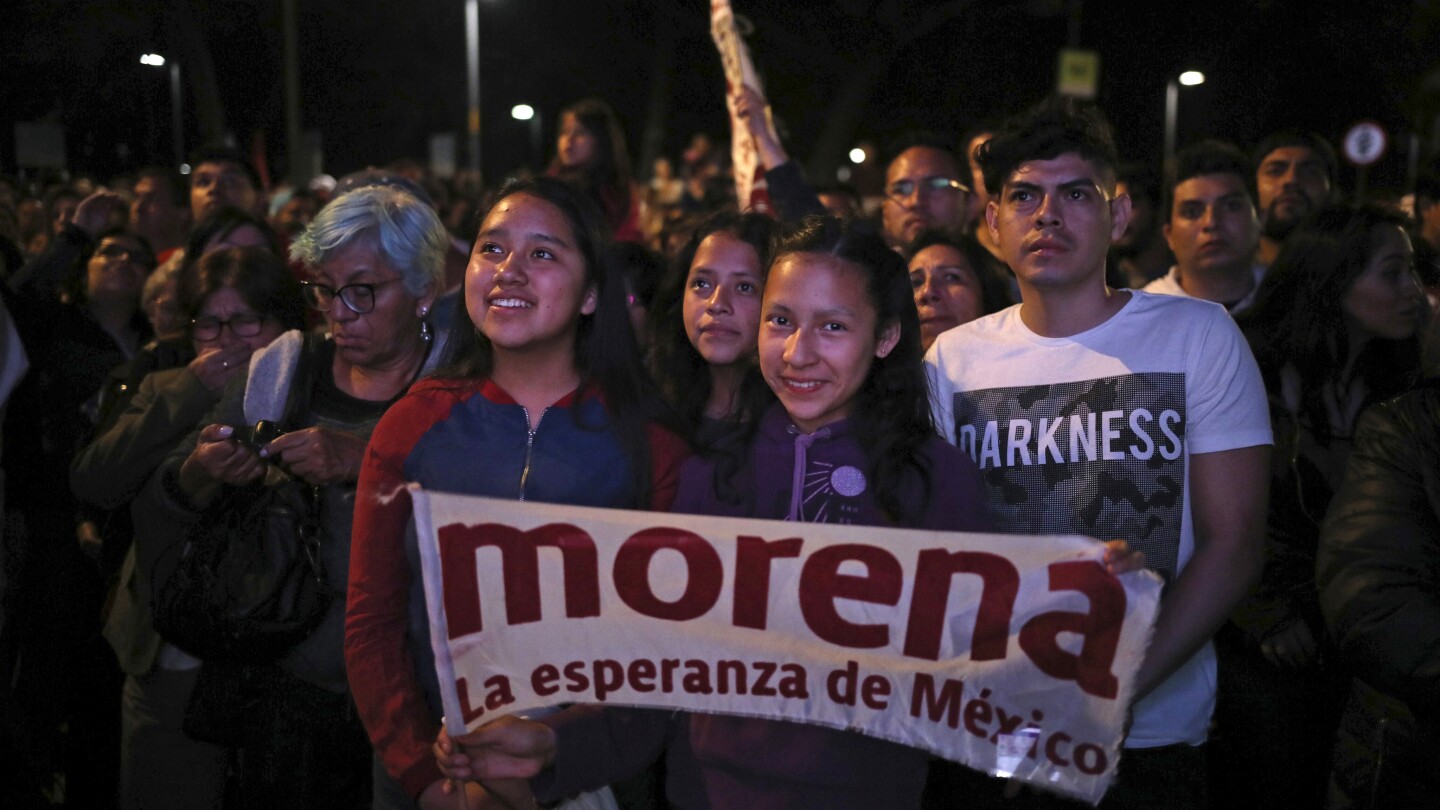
(545, 400)
(839, 345)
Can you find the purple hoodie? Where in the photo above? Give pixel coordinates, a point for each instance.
(728, 762)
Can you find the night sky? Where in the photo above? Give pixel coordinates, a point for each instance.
(379, 78)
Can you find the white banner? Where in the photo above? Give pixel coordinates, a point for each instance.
(1014, 655)
(750, 192)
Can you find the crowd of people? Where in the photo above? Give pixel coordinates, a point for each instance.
(575, 337)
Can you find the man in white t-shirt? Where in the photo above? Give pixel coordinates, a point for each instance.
(1212, 228)
(1113, 413)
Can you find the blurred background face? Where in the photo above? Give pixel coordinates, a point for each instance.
(1292, 182)
(576, 144)
(913, 200)
(153, 210)
(216, 184)
(118, 268)
(61, 213)
(1212, 223)
(163, 310)
(295, 215)
(1386, 299)
(233, 323)
(947, 291)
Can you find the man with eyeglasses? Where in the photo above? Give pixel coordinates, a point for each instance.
(923, 189)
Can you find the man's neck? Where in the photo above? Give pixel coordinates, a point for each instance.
(1223, 285)
(1058, 312)
(1269, 249)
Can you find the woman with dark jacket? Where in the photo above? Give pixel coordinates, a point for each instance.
(236, 301)
(1334, 329)
(1379, 578)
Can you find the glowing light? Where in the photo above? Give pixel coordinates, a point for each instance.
(522, 112)
(1190, 78)
(857, 155)
(152, 59)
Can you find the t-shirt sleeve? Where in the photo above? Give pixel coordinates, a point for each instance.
(941, 391)
(1224, 391)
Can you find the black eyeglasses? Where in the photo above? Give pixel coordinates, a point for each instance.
(360, 298)
(246, 325)
(901, 189)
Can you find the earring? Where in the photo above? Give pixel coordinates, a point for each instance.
(425, 333)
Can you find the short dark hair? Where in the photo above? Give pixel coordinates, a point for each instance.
(913, 138)
(258, 275)
(1208, 157)
(226, 154)
(1054, 127)
(986, 126)
(1298, 137)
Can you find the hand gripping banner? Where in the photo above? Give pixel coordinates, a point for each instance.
(1012, 654)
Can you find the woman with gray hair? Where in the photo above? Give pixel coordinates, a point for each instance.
(375, 257)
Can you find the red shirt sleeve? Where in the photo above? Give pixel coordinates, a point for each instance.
(667, 453)
(380, 667)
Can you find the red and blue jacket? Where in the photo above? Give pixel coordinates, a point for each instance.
(469, 437)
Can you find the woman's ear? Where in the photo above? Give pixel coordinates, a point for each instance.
(425, 302)
(590, 301)
(889, 336)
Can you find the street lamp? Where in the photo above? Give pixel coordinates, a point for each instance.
(524, 112)
(177, 131)
(1189, 78)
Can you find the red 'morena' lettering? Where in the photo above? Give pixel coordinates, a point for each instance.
(520, 566)
(935, 569)
(704, 574)
(1099, 629)
(752, 577)
(821, 583)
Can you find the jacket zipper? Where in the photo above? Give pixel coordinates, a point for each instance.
(529, 446)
